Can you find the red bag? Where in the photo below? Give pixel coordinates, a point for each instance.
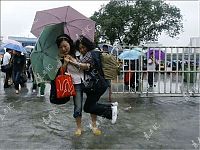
(64, 85)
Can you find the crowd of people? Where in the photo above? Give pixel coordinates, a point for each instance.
(132, 78)
(18, 71)
(14, 66)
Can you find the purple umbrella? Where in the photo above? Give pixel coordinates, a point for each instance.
(75, 23)
(159, 54)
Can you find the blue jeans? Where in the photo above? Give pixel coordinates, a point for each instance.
(78, 101)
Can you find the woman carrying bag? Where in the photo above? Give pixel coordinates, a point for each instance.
(66, 50)
(90, 63)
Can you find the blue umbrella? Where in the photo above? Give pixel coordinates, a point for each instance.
(2, 51)
(131, 54)
(14, 45)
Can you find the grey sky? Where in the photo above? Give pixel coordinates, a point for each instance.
(17, 17)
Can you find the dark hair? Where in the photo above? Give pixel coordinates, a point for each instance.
(65, 37)
(105, 46)
(8, 49)
(85, 42)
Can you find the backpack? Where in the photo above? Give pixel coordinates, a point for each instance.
(110, 66)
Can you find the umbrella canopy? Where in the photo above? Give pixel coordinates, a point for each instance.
(131, 54)
(14, 45)
(44, 57)
(159, 54)
(75, 23)
(2, 51)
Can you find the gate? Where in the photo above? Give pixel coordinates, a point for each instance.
(176, 73)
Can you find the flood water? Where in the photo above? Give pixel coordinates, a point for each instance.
(31, 122)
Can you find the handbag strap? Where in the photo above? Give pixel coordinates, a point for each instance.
(62, 70)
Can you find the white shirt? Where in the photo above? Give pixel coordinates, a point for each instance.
(6, 58)
(76, 74)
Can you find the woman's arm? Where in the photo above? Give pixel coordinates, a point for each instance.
(82, 66)
(73, 61)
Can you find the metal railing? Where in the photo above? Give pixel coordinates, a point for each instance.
(177, 73)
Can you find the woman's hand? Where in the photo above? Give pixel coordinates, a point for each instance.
(73, 61)
(66, 59)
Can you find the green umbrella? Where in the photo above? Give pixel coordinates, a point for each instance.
(44, 57)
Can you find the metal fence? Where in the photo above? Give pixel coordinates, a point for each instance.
(177, 73)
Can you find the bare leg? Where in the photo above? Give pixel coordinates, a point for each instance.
(95, 130)
(78, 123)
(94, 120)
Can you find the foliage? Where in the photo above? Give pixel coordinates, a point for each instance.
(133, 22)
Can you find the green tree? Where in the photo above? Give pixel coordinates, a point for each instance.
(133, 22)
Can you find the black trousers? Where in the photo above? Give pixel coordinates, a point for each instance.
(93, 107)
(150, 78)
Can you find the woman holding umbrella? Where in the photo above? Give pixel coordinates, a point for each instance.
(19, 64)
(87, 63)
(66, 50)
(18, 61)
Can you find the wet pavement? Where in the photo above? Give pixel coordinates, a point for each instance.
(31, 122)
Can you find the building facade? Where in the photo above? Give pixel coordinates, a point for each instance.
(24, 40)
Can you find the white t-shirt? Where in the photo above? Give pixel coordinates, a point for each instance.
(76, 74)
(6, 58)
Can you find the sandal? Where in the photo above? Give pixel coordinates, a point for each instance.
(78, 132)
(96, 131)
